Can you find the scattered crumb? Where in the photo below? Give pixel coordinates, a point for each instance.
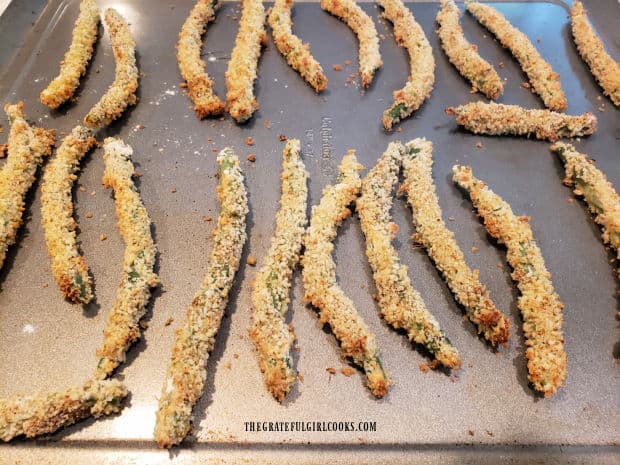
(281, 137)
(490, 433)
(103, 237)
(210, 139)
(501, 65)
(296, 348)
(451, 218)
(81, 188)
(173, 190)
(140, 126)
(471, 432)
(46, 285)
(474, 249)
(228, 366)
(399, 129)
(236, 355)
(347, 371)
(252, 157)
(362, 286)
(478, 145)
(89, 215)
(347, 62)
(601, 109)
(251, 260)
(214, 150)
(249, 141)
(221, 118)
(337, 67)
(267, 124)
(570, 200)
(206, 219)
(168, 321)
(525, 85)
(138, 174)
(183, 85)
(93, 193)
(300, 377)
(144, 324)
(423, 367)
(331, 371)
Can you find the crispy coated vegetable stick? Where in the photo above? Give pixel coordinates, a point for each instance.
(363, 27)
(271, 286)
(195, 339)
(191, 66)
(291, 47)
(122, 328)
(603, 67)
(243, 64)
(319, 276)
(27, 148)
(400, 304)
(439, 242)
(74, 64)
(122, 92)
(44, 413)
(463, 55)
(410, 35)
(496, 119)
(591, 183)
(544, 81)
(539, 304)
(68, 266)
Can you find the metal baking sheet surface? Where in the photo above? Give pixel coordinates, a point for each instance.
(484, 414)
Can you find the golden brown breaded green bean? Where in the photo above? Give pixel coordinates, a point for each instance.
(272, 283)
(122, 328)
(544, 81)
(44, 413)
(539, 304)
(291, 47)
(400, 304)
(363, 27)
(319, 276)
(496, 119)
(439, 242)
(27, 148)
(243, 64)
(464, 55)
(73, 66)
(122, 92)
(68, 265)
(191, 66)
(410, 35)
(186, 372)
(603, 67)
(591, 183)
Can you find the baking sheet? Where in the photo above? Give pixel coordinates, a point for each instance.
(50, 344)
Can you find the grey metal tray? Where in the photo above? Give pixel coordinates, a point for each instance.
(427, 417)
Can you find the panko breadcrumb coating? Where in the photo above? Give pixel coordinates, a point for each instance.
(291, 47)
(496, 119)
(439, 242)
(243, 64)
(27, 148)
(400, 304)
(272, 284)
(122, 92)
(74, 64)
(409, 34)
(591, 183)
(186, 372)
(191, 66)
(464, 55)
(363, 27)
(44, 413)
(544, 81)
(603, 67)
(122, 328)
(319, 276)
(68, 266)
(539, 304)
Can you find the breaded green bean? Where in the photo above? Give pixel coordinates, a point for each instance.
(464, 55)
(409, 34)
(439, 242)
(591, 183)
(191, 66)
(271, 286)
(68, 265)
(291, 47)
(319, 276)
(363, 27)
(539, 304)
(544, 81)
(400, 304)
(243, 64)
(603, 67)
(186, 372)
(496, 119)
(122, 92)
(74, 64)
(44, 413)
(27, 148)
(134, 291)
